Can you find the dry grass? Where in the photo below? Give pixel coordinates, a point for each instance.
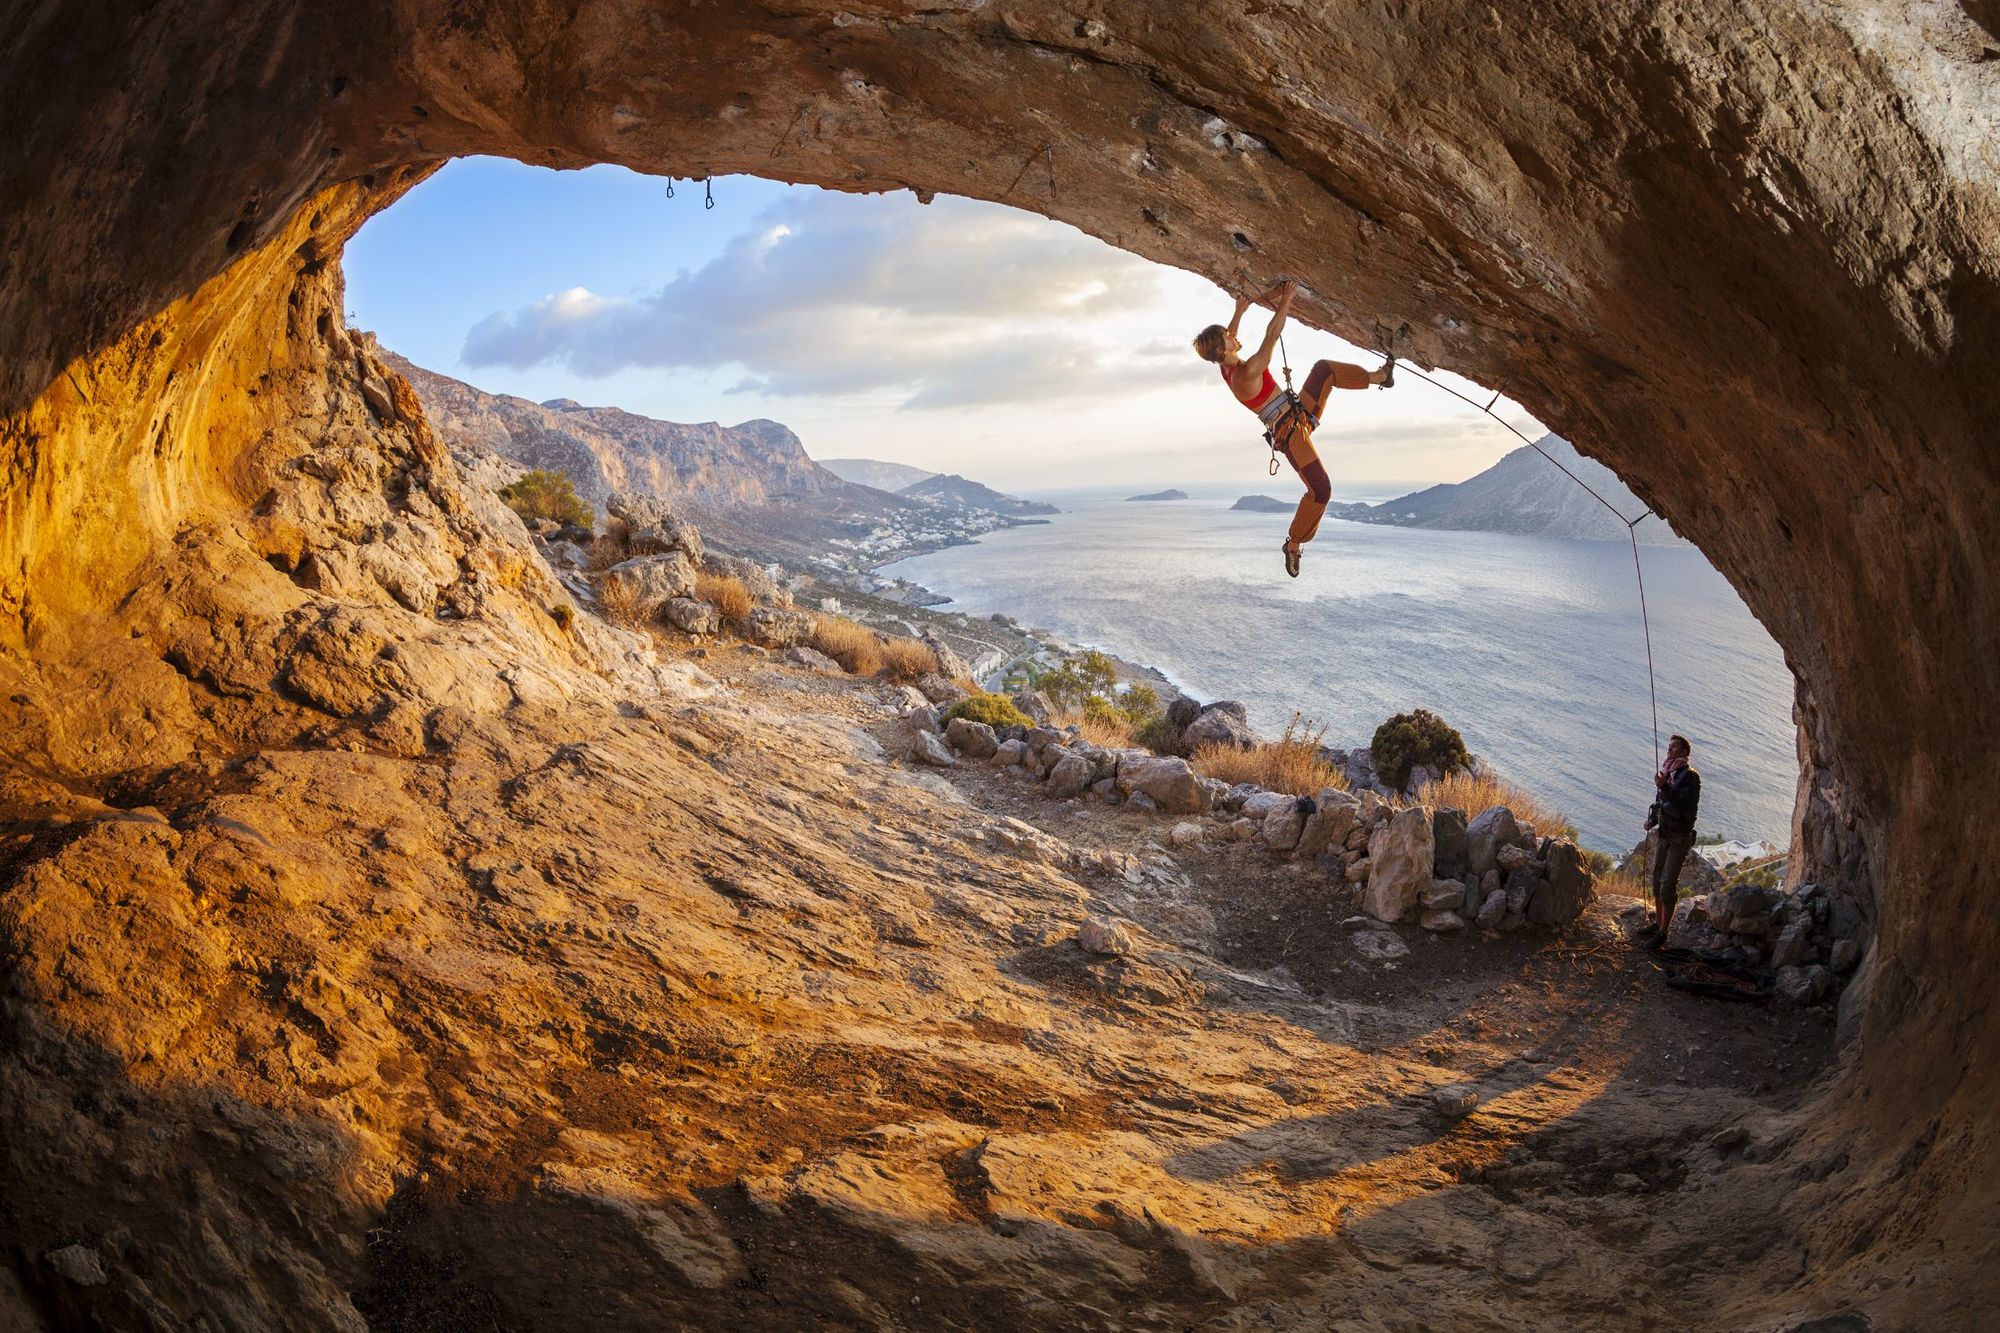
(1473, 793)
(618, 600)
(726, 593)
(907, 660)
(1289, 764)
(857, 648)
(609, 548)
(1098, 729)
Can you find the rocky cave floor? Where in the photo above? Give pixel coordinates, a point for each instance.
(676, 1010)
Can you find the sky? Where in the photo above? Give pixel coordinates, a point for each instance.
(957, 336)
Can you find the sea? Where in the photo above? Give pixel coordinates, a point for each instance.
(1531, 646)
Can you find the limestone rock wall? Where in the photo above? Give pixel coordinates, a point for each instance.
(1749, 256)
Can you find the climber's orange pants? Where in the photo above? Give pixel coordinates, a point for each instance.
(1295, 442)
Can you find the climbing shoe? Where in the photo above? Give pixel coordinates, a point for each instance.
(1388, 369)
(1291, 560)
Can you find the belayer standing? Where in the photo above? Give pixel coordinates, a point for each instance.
(1289, 418)
(1677, 799)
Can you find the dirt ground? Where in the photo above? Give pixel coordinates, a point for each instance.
(713, 1011)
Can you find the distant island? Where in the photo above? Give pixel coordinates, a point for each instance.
(1525, 494)
(890, 477)
(956, 492)
(1265, 504)
(1158, 495)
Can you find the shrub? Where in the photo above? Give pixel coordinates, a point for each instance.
(609, 549)
(1076, 677)
(857, 648)
(1097, 722)
(618, 600)
(907, 660)
(564, 615)
(1161, 736)
(1474, 792)
(726, 593)
(995, 710)
(1408, 740)
(1292, 763)
(542, 494)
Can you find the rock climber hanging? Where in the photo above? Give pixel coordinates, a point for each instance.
(1288, 417)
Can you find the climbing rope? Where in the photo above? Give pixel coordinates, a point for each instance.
(1631, 530)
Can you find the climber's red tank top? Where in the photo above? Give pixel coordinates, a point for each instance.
(1263, 394)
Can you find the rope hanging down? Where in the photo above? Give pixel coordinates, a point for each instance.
(1631, 533)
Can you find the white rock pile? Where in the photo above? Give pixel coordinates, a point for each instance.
(1399, 863)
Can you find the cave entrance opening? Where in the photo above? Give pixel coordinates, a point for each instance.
(961, 337)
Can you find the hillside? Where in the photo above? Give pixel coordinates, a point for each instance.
(957, 492)
(1524, 494)
(751, 486)
(891, 477)
(1157, 495)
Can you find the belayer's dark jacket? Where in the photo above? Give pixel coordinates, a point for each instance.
(1678, 801)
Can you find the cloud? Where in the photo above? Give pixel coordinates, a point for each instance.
(950, 305)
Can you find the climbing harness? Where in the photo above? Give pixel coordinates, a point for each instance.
(1278, 423)
(1631, 534)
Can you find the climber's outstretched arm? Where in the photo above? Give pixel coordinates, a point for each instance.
(1259, 361)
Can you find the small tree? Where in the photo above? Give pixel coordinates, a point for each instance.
(1408, 740)
(542, 494)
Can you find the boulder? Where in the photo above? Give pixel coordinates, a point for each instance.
(1187, 833)
(1489, 831)
(1220, 724)
(1106, 791)
(938, 689)
(1512, 857)
(1243, 829)
(1374, 809)
(1490, 882)
(1570, 887)
(1038, 707)
(1140, 801)
(1070, 776)
(1790, 950)
(1399, 860)
(1181, 711)
(652, 527)
(924, 718)
(1442, 922)
(1744, 909)
(950, 664)
(975, 740)
(1282, 826)
(1846, 953)
(1357, 871)
(1169, 784)
(777, 628)
(1803, 985)
(1448, 842)
(1520, 887)
(814, 660)
(654, 579)
(1040, 738)
(756, 580)
(1379, 944)
(1105, 938)
(690, 615)
(1493, 910)
(1327, 827)
(566, 555)
(1472, 897)
(1444, 895)
(927, 747)
(1009, 753)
